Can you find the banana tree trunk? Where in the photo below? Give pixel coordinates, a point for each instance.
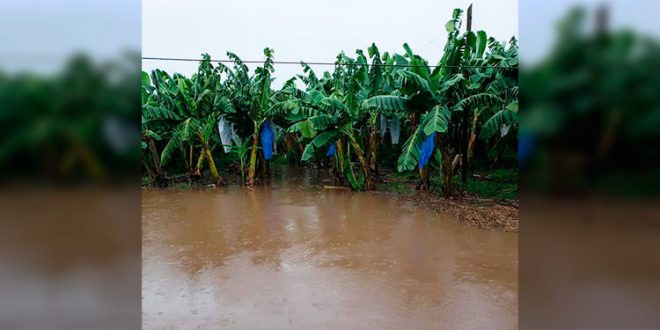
(424, 178)
(217, 179)
(363, 164)
(288, 143)
(154, 156)
(190, 160)
(424, 175)
(150, 173)
(200, 162)
(448, 186)
(339, 168)
(373, 143)
(473, 138)
(265, 167)
(465, 141)
(252, 169)
(296, 137)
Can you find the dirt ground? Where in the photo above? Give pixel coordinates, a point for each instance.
(481, 213)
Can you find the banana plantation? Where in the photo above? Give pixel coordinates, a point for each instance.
(376, 112)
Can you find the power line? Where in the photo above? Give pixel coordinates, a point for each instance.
(326, 63)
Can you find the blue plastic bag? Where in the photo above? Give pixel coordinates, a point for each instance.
(331, 150)
(426, 151)
(526, 146)
(266, 136)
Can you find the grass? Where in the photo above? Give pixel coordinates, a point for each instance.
(398, 187)
(182, 185)
(402, 183)
(499, 183)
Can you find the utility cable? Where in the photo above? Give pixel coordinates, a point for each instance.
(326, 63)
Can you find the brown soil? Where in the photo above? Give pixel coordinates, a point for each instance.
(477, 212)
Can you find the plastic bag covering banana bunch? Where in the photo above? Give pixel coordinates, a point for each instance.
(227, 134)
(382, 125)
(395, 130)
(266, 136)
(427, 150)
(331, 151)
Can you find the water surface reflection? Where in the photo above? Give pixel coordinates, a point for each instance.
(295, 256)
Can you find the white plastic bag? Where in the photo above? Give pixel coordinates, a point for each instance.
(226, 133)
(382, 125)
(395, 130)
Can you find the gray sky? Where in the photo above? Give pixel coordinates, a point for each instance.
(306, 30)
(538, 19)
(40, 35)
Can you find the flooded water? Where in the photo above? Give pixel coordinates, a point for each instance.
(292, 255)
(70, 258)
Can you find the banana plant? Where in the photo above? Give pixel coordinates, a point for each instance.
(241, 149)
(491, 92)
(422, 100)
(382, 89)
(333, 116)
(252, 101)
(192, 133)
(188, 103)
(443, 97)
(469, 98)
(260, 93)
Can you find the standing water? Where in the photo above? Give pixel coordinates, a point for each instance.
(292, 255)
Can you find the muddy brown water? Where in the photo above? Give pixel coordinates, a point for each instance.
(292, 255)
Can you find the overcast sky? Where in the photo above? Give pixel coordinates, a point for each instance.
(538, 20)
(306, 30)
(40, 35)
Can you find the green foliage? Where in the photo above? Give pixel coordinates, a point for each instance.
(410, 153)
(436, 121)
(345, 107)
(501, 121)
(321, 140)
(387, 104)
(241, 149)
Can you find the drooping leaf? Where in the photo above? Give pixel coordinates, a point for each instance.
(410, 154)
(437, 120)
(321, 122)
(494, 124)
(478, 101)
(414, 84)
(305, 127)
(152, 134)
(386, 103)
(325, 138)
